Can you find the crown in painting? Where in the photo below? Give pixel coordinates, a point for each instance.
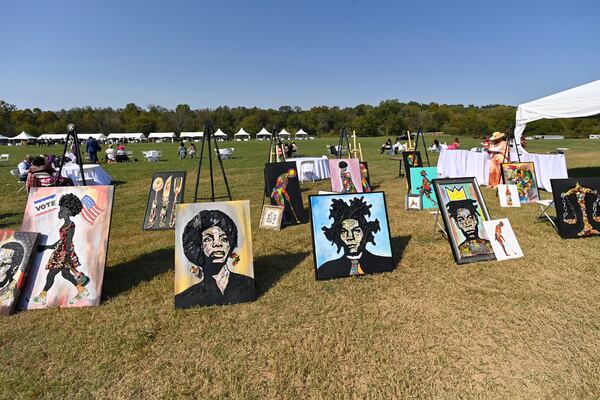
(455, 193)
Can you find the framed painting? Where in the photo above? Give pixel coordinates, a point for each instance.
(577, 202)
(166, 191)
(67, 269)
(364, 176)
(411, 159)
(283, 189)
(420, 178)
(413, 202)
(351, 235)
(271, 217)
(509, 196)
(16, 249)
(345, 175)
(523, 175)
(503, 239)
(463, 211)
(213, 254)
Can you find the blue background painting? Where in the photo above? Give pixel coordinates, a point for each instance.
(415, 182)
(324, 249)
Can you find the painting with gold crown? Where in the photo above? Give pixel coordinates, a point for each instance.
(463, 211)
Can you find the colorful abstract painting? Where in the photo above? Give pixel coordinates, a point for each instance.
(523, 175)
(503, 239)
(351, 235)
(15, 254)
(166, 191)
(68, 266)
(463, 210)
(411, 159)
(509, 196)
(364, 176)
(345, 175)
(213, 254)
(420, 178)
(283, 189)
(577, 202)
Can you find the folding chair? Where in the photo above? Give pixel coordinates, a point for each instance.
(15, 173)
(544, 206)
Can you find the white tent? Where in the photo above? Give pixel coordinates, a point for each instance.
(581, 101)
(191, 135)
(264, 134)
(284, 134)
(301, 135)
(162, 136)
(23, 136)
(220, 135)
(128, 136)
(97, 136)
(2, 137)
(242, 135)
(53, 136)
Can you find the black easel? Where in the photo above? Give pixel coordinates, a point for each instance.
(72, 133)
(420, 133)
(276, 146)
(340, 148)
(206, 139)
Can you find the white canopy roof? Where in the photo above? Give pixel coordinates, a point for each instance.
(284, 133)
(581, 101)
(161, 135)
(94, 135)
(138, 136)
(2, 137)
(191, 134)
(264, 132)
(301, 133)
(53, 136)
(23, 136)
(242, 132)
(220, 133)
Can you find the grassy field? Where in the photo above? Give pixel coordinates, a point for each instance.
(527, 328)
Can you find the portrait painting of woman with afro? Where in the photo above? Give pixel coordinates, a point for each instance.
(345, 175)
(15, 253)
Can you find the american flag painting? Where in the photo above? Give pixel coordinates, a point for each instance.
(90, 210)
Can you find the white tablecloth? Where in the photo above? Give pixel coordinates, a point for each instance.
(461, 163)
(319, 172)
(92, 172)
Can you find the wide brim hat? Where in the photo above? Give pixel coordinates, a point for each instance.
(498, 135)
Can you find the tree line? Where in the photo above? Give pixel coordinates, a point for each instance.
(388, 118)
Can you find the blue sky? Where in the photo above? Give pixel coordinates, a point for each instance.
(62, 54)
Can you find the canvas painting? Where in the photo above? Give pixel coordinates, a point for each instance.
(413, 202)
(351, 235)
(522, 175)
(15, 254)
(463, 211)
(271, 217)
(411, 159)
(283, 189)
(509, 196)
(166, 191)
(420, 178)
(577, 202)
(503, 239)
(345, 175)
(68, 265)
(213, 254)
(364, 176)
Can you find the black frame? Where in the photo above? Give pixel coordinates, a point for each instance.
(180, 199)
(271, 173)
(571, 231)
(337, 195)
(505, 181)
(446, 217)
(407, 166)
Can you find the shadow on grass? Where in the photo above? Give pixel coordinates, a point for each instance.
(268, 270)
(399, 244)
(117, 183)
(584, 172)
(125, 276)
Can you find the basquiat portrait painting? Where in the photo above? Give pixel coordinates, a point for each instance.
(523, 176)
(463, 210)
(69, 260)
(345, 175)
(577, 202)
(421, 185)
(213, 254)
(15, 253)
(350, 235)
(283, 189)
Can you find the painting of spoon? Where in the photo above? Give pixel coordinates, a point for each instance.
(165, 202)
(157, 185)
(178, 185)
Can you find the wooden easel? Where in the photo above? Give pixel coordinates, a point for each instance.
(207, 137)
(72, 133)
(356, 152)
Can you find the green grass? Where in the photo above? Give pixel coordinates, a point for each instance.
(526, 328)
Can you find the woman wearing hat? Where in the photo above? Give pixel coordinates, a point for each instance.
(498, 152)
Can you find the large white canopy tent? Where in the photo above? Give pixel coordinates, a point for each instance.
(580, 101)
(264, 134)
(162, 136)
(128, 136)
(53, 136)
(241, 135)
(97, 136)
(191, 135)
(23, 136)
(220, 135)
(284, 134)
(301, 135)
